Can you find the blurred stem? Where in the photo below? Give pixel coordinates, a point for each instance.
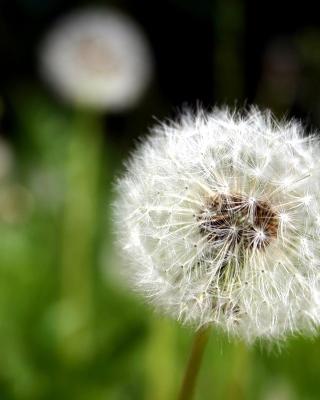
(78, 235)
(161, 347)
(239, 374)
(193, 367)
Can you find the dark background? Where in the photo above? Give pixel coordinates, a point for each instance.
(212, 52)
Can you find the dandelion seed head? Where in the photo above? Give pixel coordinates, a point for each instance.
(97, 58)
(218, 218)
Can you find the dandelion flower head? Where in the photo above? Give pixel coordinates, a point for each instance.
(97, 58)
(218, 217)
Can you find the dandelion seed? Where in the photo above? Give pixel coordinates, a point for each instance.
(240, 247)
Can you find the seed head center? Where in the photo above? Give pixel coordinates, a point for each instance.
(238, 220)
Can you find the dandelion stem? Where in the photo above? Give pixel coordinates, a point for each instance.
(78, 233)
(194, 362)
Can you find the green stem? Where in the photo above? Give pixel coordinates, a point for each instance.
(193, 367)
(78, 235)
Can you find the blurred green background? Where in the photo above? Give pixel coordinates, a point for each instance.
(69, 329)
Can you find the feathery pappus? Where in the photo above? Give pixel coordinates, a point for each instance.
(218, 219)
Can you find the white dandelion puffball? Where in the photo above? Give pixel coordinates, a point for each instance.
(96, 58)
(218, 216)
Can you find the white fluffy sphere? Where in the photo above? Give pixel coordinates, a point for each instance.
(98, 58)
(218, 217)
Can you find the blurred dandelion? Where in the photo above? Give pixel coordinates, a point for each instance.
(6, 159)
(16, 201)
(96, 58)
(16, 204)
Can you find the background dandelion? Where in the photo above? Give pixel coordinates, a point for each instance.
(96, 58)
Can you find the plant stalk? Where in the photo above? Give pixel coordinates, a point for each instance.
(194, 362)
